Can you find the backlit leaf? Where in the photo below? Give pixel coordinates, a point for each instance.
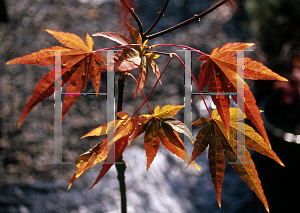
(69, 40)
(213, 134)
(143, 76)
(120, 134)
(152, 142)
(219, 72)
(216, 165)
(168, 110)
(130, 58)
(117, 37)
(78, 62)
(164, 128)
(135, 36)
(179, 127)
(126, 59)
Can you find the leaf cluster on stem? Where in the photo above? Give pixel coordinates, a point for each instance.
(218, 72)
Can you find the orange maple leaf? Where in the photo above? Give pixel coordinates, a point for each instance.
(213, 134)
(162, 127)
(219, 72)
(78, 62)
(120, 133)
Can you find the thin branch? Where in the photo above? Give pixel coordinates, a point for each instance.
(160, 14)
(134, 15)
(196, 17)
(182, 46)
(121, 164)
(121, 167)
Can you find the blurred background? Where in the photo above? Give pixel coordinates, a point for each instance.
(28, 185)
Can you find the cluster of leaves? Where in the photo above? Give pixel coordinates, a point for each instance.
(78, 62)
(218, 71)
(213, 134)
(158, 127)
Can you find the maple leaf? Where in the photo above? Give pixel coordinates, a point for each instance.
(213, 134)
(163, 128)
(78, 62)
(219, 72)
(120, 133)
(131, 58)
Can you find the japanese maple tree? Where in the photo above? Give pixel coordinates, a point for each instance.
(218, 72)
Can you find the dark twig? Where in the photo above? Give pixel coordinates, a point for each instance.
(160, 14)
(134, 15)
(196, 17)
(121, 164)
(121, 167)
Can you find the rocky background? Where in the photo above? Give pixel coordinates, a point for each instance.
(28, 185)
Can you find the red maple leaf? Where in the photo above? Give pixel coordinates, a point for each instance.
(78, 62)
(219, 72)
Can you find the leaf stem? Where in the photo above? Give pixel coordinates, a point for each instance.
(186, 68)
(160, 14)
(196, 17)
(158, 52)
(120, 46)
(134, 15)
(182, 46)
(121, 164)
(205, 105)
(141, 91)
(153, 86)
(195, 83)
